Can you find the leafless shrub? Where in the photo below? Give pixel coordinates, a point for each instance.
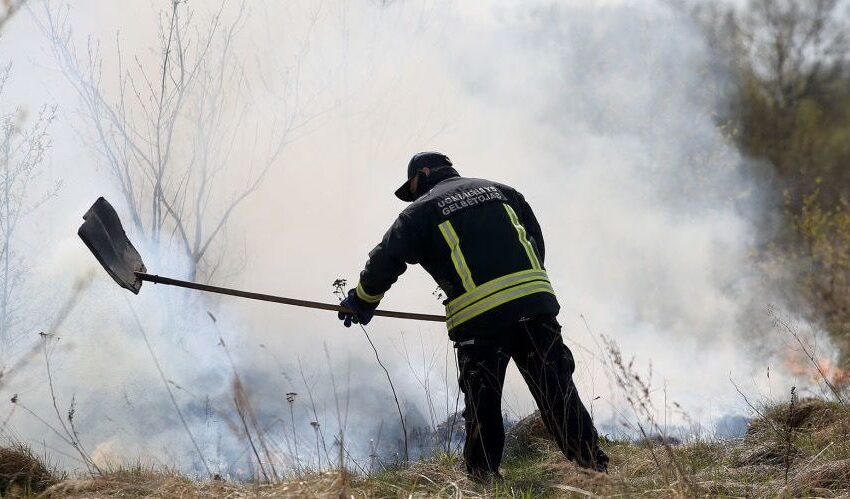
(170, 139)
(23, 147)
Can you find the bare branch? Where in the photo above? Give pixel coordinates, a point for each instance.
(169, 136)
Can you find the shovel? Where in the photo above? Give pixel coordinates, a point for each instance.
(103, 234)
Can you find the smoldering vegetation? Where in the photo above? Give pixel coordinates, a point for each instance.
(257, 145)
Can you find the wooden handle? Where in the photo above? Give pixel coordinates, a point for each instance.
(280, 299)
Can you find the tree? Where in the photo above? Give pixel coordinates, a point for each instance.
(22, 154)
(791, 58)
(175, 140)
(790, 108)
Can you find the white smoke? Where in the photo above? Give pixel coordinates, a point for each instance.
(601, 113)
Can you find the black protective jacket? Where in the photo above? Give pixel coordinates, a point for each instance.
(482, 244)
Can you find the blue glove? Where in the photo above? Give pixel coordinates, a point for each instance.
(361, 311)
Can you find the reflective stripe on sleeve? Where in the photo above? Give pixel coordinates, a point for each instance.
(363, 295)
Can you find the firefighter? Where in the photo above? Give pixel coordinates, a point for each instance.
(482, 244)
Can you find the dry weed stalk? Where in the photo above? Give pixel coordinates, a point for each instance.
(246, 412)
(168, 387)
(752, 406)
(248, 417)
(317, 427)
(236, 427)
(16, 401)
(808, 352)
(81, 284)
(69, 429)
(290, 399)
(342, 422)
(241, 404)
(637, 393)
(787, 456)
(339, 291)
(424, 380)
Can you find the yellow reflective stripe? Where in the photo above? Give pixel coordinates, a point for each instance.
(493, 286)
(523, 238)
(497, 299)
(363, 295)
(457, 255)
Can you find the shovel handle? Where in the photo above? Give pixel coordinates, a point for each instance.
(280, 299)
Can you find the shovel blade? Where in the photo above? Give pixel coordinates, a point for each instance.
(105, 237)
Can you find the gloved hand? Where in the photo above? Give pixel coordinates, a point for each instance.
(362, 312)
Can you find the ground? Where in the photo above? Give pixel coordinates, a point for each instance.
(789, 450)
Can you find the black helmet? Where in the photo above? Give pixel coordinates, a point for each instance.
(432, 160)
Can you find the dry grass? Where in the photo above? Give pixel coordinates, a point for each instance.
(22, 472)
(817, 462)
(157, 484)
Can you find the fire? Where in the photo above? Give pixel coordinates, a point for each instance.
(823, 369)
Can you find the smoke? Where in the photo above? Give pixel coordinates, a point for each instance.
(601, 113)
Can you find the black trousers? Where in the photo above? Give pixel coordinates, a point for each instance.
(547, 366)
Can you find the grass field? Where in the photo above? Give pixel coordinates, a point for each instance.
(790, 450)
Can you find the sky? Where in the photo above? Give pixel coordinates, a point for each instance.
(600, 113)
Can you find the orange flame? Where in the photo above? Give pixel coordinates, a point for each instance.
(799, 365)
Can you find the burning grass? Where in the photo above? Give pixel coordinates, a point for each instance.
(799, 448)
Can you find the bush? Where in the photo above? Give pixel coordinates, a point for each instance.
(22, 472)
